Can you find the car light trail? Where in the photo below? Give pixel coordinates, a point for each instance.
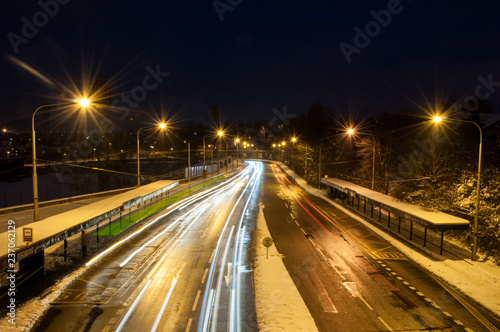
(164, 306)
(211, 296)
(171, 209)
(129, 312)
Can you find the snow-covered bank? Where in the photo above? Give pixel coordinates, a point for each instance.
(279, 306)
(478, 280)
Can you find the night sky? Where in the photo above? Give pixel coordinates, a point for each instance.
(261, 55)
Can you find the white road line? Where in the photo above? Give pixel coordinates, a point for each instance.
(195, 304)
(188, 326)
(164, 306)
(204, 276)
(385, 324)
(211, 257)
(365, 302)
(132, 307)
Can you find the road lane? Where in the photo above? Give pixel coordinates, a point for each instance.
(174, 266)
(362, 284)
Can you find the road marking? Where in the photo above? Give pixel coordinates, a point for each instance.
(385, 324)
(296, 222)
(204, 276)
(447, 314)
(211, 257)
(303, 231)
(196, 300)
(406, 283)
(106, 328)
(420, 294)
(365, 302)
(434, 304)
(412, 288)
(129, 312)
(291, 215)
(468, 329)
(112, 320)
(324, 298)
(459, 323)
(188, 326)
(399, 278)
(119, 311)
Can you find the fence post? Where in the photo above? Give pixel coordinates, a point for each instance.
(97, 232)
(389, 220)
(425, 236)
(411, 229)
(399, 224)
(65, 250)
(442, 239)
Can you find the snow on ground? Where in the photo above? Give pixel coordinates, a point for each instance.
(30, 312)
(278, 303)
(478, 280)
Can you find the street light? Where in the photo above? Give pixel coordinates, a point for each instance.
(36, 216)
(438, 119)
(220, 133)
(161, 126)
(350, 131)
(237, 141)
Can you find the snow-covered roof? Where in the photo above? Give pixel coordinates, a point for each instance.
(57, 224)
(437, 220)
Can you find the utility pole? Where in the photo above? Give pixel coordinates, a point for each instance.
(319, 172)
(189, 162)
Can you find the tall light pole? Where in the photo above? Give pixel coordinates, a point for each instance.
(220, 133)
(438, 119)
(351, 132)
(36, 216)
(237, 141)
(161, 126)
(204, 169)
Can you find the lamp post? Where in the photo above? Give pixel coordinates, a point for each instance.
(438, 119)
(36, 216)
(351, 132)
(161, 126)
(237, 140)
(204, 169)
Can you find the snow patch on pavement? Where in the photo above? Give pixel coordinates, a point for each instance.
(278, 303)
(28, 314)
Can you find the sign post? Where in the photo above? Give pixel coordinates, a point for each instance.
(267, 242)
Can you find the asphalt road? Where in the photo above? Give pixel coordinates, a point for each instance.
(187, 271)
(353, 280)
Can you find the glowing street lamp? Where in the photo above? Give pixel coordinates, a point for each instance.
(438, 119)
(237, 141)
(161, 126)
(350, 132)
(36, 216)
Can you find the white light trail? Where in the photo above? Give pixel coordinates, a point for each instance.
(163, 306)
(190, 200)
(129, 312)
(207, 297)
